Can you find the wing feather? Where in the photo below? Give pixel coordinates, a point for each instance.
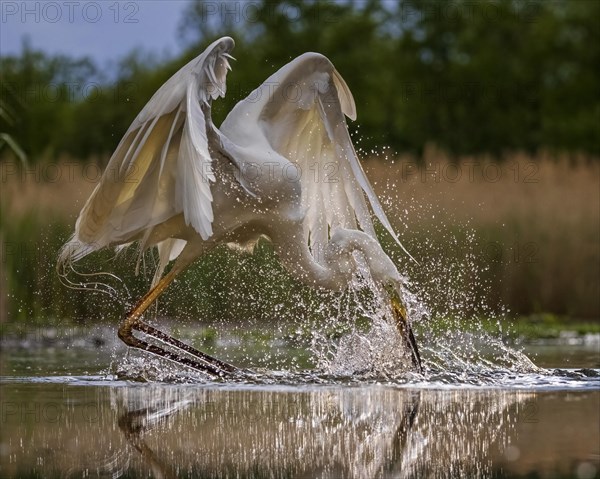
(302, 118)
(162, 166)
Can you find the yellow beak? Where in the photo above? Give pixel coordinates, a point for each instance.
(405, 329)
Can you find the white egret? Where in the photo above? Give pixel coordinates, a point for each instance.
(281, 166)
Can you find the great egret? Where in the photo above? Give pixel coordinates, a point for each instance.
(281, 166)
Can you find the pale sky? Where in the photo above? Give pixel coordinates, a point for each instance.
(104, 29)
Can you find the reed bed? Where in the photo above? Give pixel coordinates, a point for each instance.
(528, 227)
(520, 235)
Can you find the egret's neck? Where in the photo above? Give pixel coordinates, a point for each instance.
(332, 268)
(311, 269)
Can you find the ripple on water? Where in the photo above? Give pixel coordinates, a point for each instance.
(544, 380)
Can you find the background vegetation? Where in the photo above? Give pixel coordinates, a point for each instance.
(440, 86)
(470, 77)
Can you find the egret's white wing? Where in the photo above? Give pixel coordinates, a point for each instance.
(300, 112)
(162, 166)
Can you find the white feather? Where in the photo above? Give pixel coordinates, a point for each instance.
(162, 166)
(300, 111)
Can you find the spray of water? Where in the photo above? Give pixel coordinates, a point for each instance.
(353, 335)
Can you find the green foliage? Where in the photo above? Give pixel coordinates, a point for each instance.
(38, 95)
(471, 77)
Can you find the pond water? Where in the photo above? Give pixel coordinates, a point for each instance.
(87, 408)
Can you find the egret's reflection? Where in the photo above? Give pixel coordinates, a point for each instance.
(322, 432)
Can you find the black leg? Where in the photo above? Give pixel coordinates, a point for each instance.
(201, 361)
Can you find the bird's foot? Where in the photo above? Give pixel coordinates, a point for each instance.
(197, 360)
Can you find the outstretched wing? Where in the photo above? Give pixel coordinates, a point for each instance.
(162, 166)
(300, 110)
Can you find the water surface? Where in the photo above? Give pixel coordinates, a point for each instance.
(89, 409)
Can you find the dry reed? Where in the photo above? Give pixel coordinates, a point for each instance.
(540, 214)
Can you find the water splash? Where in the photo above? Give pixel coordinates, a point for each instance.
(353, 335)
(371, 346)
(369, 343)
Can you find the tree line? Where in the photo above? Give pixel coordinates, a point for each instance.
(471, 77)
